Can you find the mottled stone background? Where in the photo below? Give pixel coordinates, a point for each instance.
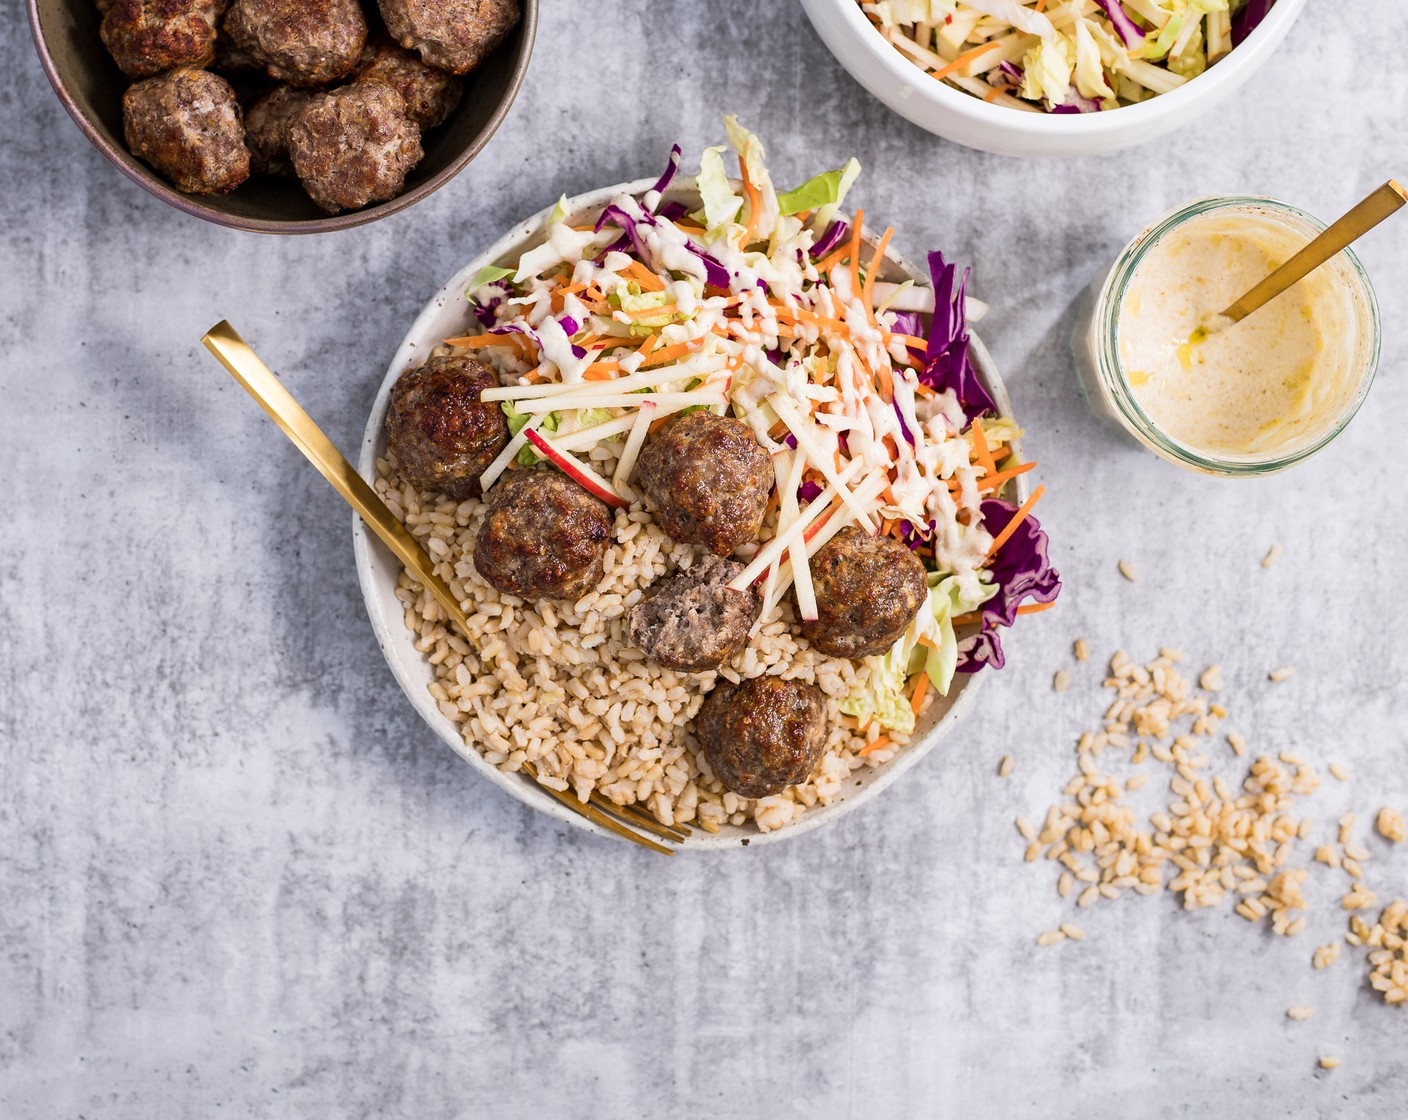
(239, 877)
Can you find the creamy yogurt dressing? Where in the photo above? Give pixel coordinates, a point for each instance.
(1274, 381)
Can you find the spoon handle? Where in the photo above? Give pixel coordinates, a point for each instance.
(1351, 227)
(258, 380)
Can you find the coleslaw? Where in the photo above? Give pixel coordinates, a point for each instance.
(774, 308)
(1068, 56)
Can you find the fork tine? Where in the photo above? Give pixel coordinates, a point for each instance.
(596, 816)
(641, 818)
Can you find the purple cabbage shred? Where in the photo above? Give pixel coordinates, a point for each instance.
(947, 365)
(1125, 27)
(1022, 570)
(1246, 21)
(662, 184)
(833, 236)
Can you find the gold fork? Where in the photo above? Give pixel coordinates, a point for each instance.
(258, 380)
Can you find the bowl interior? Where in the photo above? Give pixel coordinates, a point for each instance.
(447, 315)
(91, 86)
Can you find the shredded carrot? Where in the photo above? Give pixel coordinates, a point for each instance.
(964, 59)
(650, 344)
(871, 748)
(992, 95)
(965, 619)
(533, 376)
(868, 292)
(755, 203)
(908, 340)
(924, 390)
(1035, 608)
(644, 277)
(1021, 515)
(478, 341)
(660, 422)
(977, 616)
(980, 449)
(887, 384)
(836, 257)
(921, 686)
(1002, 478)
(601, 371)
(672, 353)
(855, 252)
(927, 641)
(771, 502)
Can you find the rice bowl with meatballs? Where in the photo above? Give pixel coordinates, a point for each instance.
(727, 380)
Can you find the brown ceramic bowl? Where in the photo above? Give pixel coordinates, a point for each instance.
(90, 86)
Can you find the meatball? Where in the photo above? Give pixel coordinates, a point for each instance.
(708, 479)
(430, 95)
(543, 537)
(146, 37)
(353, 146)
(266, 125)
(691, 621)
(868, 590)
(303, 42)
(439, 434)
(763, 735)
(187, 125)
(452, 35)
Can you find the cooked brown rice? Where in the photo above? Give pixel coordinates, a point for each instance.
(561, 686)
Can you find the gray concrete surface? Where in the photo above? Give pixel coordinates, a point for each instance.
(239, 878)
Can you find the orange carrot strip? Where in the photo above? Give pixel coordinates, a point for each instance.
(964, 59)
(887, 384)
(650, 344)
(836, 257)
(1002, 478)
(908, 340)
(671, 353)
(644, 277)
(1035, 608)
(877, 258)
(921, 686)
(755, 203)
(980, 449)
(601, 371)
(1006, 534)
(477, 341)
(879, 744)
(855, 252)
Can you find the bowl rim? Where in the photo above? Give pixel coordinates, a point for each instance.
(1248, 56)
(388, 622)
(150, 181)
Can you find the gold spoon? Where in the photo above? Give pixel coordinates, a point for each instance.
(1359, 221)
(258, 380)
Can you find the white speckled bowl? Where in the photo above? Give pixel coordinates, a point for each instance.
(447, 315)
(948, 112)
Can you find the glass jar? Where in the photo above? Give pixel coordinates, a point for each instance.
(1096, 342)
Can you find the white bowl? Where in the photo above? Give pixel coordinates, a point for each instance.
(948, 112)
(448, 315)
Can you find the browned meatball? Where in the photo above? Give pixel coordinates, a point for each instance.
(543, 537)
(146, 37)
(439, 434)
(187, 125)
(302, 42)
(708, 479)
(430, 94)
(266, 125)
(868, 590)
(763, 735)
(691, 621)
(353, 146)
(452, 35)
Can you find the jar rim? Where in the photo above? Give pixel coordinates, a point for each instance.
(1110, 372)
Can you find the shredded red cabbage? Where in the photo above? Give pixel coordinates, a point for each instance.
(663, 183)
(1246, 21)
(809, 491)
(1074, 103)
(946, 362)
(1022, 570)
(833, 236)
(715, 273)
(1124, 26)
